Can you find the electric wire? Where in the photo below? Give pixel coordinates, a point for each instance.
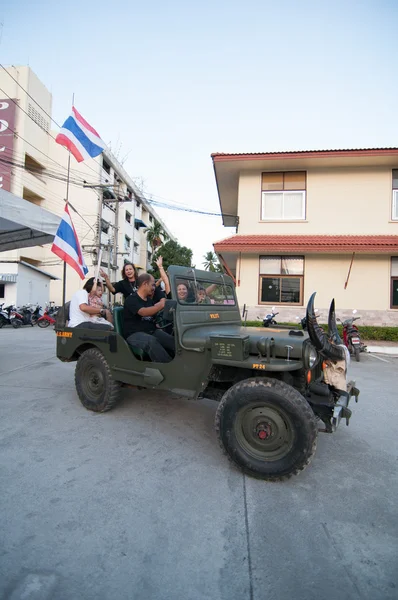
(159, 203)
(150, 200)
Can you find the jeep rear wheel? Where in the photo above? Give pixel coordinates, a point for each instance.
(95, 386)
(267, 428)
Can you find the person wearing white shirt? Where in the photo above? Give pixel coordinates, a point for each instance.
(82, 315)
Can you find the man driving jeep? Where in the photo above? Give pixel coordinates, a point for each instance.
(139, 325)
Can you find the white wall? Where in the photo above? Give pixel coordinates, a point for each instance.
(10, 289)
(10, 294)
(32, 287)
(368, 288)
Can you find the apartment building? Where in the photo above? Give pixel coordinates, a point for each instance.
(324, 221)
(107, 208)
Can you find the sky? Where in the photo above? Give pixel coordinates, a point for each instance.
(168, 83)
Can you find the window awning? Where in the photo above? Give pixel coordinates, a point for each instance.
(8, 278)
(309, 244)
(139, 223)
(24, 224)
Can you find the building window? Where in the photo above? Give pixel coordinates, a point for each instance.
(34, 167)
(128, 217)
(2, 287)
(149, 255)
(138, 203)
(394, 282)
(395, 194)
(104, 226)
(281, 279)
(283, 196)
(106, 166)
(127, 242)
(150, 218)
(136, 247)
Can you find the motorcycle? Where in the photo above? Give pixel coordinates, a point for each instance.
(269, 319)
(303, 320)
(36, 314)
(49, 317)
(352, 337)
(21, 316)
(5, 314)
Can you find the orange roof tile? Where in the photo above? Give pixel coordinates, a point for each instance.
(310, 244)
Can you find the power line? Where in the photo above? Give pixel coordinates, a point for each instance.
(27, 93)
(41, 108)
(48, 174)
(72, 207)
(30, 144)
(158, 203)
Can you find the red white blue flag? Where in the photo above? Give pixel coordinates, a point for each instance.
(66, 245)
(79, 137)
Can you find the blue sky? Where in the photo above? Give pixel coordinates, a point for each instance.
(171, 82)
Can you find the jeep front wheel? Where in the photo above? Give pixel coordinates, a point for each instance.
(267, 428)
(95, 386)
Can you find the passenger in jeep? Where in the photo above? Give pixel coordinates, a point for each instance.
(139, 326)
(84, 316)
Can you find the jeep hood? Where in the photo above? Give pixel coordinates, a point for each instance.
(199, 337)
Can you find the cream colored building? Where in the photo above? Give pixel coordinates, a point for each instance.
(111, 210)
(324, 221)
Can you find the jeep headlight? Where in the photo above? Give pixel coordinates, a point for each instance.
(310, 356)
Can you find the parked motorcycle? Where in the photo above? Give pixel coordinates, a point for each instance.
(36, 314)
(303, 321)
(21, 316)
(269, 319)
(352, 337)
(5, 313)
(49, 317)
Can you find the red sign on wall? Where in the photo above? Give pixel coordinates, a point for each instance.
(7, 122)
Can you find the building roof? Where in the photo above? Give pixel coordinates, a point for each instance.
(309, 244)
(220, 156)
(227, 168)
(13, 278)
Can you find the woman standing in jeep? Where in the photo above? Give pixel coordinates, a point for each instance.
(128, 284)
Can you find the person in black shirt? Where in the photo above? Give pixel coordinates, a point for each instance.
(128, 284)
(139, 325)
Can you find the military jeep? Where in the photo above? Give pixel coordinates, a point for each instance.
(269, 382)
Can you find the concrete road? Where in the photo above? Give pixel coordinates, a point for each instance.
(140, 504)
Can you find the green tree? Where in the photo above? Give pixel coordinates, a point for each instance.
(211, 263)
(156, 235)
(173, 254)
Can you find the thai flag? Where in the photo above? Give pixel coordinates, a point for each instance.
(66, 245)
(79, 137)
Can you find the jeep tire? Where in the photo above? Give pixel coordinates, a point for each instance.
(267, 428)
(95, 386)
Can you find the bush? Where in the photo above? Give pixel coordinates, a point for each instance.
(367, 332)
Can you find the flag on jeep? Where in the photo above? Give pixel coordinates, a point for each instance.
(66, 245)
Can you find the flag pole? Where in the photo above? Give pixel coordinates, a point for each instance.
(66, 202)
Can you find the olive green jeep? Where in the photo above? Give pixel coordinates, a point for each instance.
(269, 382)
